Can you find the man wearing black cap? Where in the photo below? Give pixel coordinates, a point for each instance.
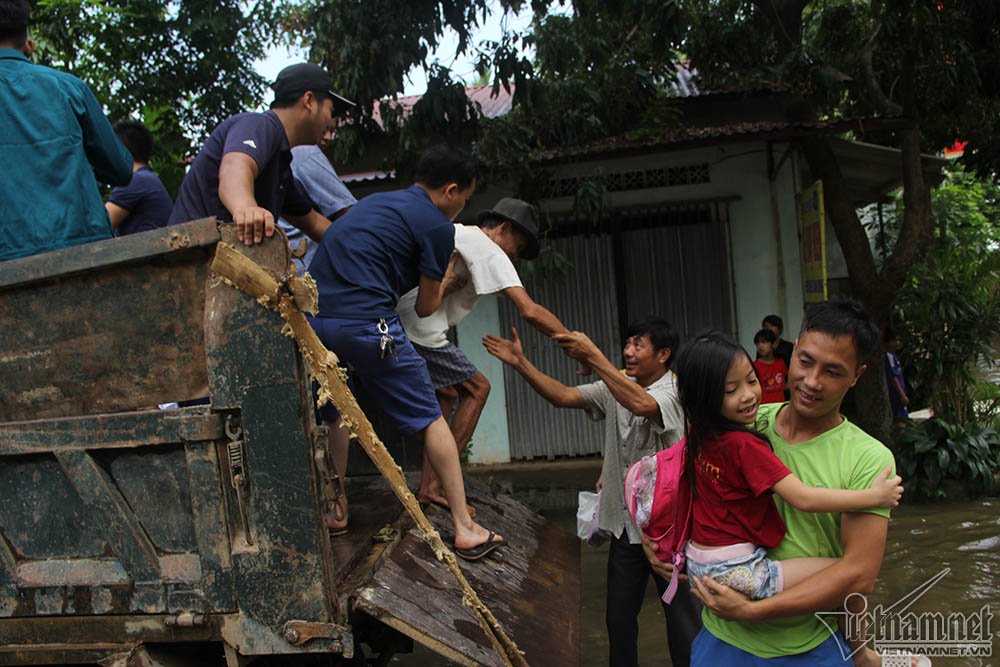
(485, 265)
(243, 172)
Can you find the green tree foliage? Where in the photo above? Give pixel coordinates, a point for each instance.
(371, 46)
(931, 65)
(929, 453)
(605, 71)
(600, 70)
(950, 309)
(860, 57)
(182, 67)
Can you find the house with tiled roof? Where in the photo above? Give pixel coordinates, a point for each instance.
(701, 226)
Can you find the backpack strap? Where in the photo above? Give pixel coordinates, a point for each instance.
(679, 557)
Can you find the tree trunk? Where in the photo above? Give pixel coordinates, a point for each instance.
(871, 398)
(876, 290)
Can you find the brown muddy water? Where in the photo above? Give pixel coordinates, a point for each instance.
(924, 541)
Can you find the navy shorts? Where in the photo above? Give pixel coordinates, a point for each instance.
(709, 651)
(399, 383)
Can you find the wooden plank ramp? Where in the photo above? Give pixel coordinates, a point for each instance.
(383, 568)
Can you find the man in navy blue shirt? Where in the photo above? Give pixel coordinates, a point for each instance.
(384, 246)
(144, 204)
(243, 172)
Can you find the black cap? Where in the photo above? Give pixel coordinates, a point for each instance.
(522, 215)
(294, 80)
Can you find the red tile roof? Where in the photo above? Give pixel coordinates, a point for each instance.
(491, 106)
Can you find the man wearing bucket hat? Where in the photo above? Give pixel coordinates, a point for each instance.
(484, 265)
(243, 172)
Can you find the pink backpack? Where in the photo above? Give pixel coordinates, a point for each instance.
(658, 496)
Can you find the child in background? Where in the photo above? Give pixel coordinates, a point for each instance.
(734, 471)
(771, 371)
(898, 398)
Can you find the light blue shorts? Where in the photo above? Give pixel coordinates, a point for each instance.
(743, 567)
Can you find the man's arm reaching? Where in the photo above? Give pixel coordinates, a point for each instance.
(630, 395)
(512, 353)
(313, 224)
(534, 314)
(539, 317)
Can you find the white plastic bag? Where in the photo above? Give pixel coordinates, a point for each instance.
(588, 512)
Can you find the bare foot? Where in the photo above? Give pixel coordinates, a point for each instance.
(869, 658)
(866, 657)
(336, 519)
(472, 536)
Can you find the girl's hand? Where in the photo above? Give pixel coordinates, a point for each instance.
(887, 492)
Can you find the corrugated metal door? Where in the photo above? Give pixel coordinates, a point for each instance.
(584, 299)
(659, 264)
(681, 273)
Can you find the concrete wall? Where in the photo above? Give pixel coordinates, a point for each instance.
(491, 442)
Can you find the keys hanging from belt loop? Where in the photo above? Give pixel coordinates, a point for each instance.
(385, 343)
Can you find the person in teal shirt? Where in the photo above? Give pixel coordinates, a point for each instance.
(55, 143)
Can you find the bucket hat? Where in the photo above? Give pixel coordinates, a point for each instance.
(522, 215)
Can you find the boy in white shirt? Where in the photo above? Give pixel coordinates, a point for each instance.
(484, 265)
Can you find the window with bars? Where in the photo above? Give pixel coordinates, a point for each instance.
(634, 180)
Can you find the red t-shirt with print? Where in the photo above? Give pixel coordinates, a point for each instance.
(733, 479)
(772, 378)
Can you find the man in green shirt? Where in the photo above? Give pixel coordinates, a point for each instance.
(54, 141)
(823, 449)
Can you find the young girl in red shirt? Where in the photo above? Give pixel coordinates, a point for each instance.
(734, 472)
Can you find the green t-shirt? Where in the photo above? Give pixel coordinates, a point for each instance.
(844, 457)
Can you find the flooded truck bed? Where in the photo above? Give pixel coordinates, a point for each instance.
(130, 535)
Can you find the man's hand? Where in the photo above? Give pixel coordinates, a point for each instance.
(722, 600)
(253, 223)
(452, 282)
(600, 482)
(508, 351)
(662, 568)
(577, 345)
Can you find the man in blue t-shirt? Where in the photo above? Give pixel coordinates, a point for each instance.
(386, 245)
(318, 180)
(243, 172)
(54, 141)
(144, 203)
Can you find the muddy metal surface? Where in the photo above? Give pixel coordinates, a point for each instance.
(923, 541)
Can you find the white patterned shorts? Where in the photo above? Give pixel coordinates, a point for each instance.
(743, 567)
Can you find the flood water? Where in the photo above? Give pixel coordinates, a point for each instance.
(924, 540)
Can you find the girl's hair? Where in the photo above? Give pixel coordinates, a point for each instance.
(701, 368)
